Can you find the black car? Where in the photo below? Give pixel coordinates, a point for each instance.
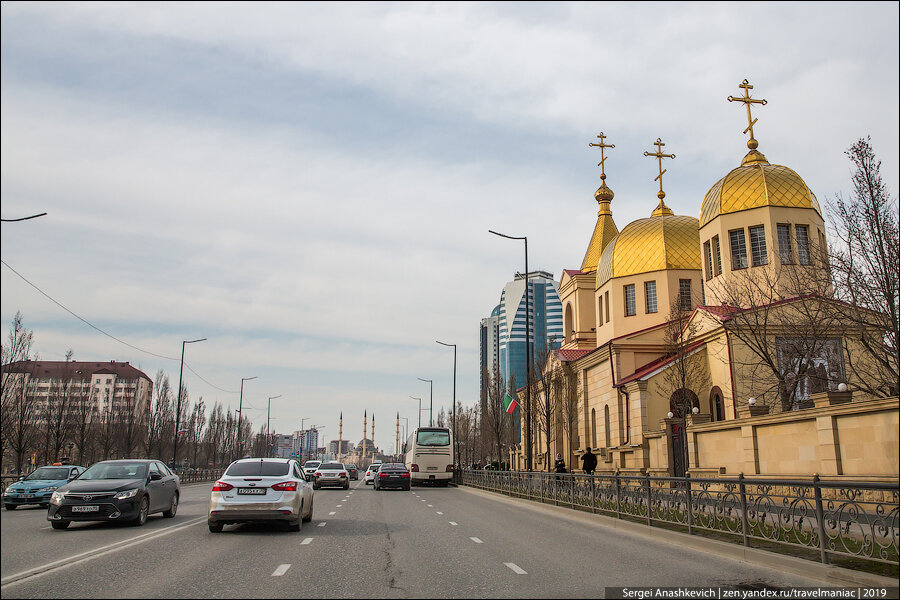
(352, 471)
(392, 475)
(116, 490)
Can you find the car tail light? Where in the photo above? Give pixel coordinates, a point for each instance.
(449, 468)
(285, 486)
(404, 474)
(317, 474)
(344, 475)
(221, 486)
(382, 474)
(414, 468)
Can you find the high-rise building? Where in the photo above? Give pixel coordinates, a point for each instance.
(306, 443)
(490, 344)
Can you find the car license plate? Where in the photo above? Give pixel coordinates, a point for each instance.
(89, 508)
(251, 490)
(26, 496)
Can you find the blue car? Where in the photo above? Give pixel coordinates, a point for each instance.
(37, 487)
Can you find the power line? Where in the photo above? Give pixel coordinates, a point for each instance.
(109, 335)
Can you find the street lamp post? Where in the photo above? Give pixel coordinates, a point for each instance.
(430, 401)
(178, 403)
(453, 417)
(527, 354)
(420, 409)
(237, 433)
(268, 419)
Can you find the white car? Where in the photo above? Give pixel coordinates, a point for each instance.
(372, 473)
(331, 474)
(261, 489)
(309, 468)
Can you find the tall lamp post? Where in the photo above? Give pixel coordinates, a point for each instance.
(527, 353)
(178, 403)
(237, 433)
(430, 401)
(453, 417)
(420, 409)
(268, 419)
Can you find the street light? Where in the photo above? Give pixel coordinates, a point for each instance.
(430, 401)
(268, 419)
(237, 434)
(527, 353)
(178, 405)
(420, 409)
(453, 418)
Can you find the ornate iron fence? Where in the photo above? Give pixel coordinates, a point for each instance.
(852, 519)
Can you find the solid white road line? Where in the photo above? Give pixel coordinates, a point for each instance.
(281, 570)
(516, 568)
(306, 542)
(91, 554)
(476, 540)
(454, 523)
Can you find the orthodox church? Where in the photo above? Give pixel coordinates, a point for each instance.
(659, 325)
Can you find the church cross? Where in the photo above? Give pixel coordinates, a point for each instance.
(602, 145)
(659, 155)
(747, 100)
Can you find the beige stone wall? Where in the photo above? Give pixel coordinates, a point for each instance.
(719, 448)
(791, 447)
(868, 443)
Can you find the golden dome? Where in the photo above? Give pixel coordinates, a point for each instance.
(756, 183)
(652, 244)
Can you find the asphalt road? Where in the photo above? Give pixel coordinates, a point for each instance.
(426, 543)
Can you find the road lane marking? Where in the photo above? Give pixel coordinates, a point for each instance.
(430, 506)
(332, 513)
(281, 570)
(439, 512)
(516, 568)
(476, 540)
(454, 523)
(322, 524)
(96, 552)
(339, 505)
(306, 542)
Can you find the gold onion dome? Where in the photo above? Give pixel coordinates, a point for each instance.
(656, 243)
(754, 184)
(603, 193)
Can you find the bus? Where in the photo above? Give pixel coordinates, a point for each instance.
(429, 456)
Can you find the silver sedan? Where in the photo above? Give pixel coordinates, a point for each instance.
(261, 489)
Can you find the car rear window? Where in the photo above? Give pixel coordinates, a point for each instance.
(431, 437)
(258, 468)
(331, 467)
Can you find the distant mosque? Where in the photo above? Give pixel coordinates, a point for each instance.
(365, 451)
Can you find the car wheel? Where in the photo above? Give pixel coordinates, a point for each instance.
(143, 510)
(215, 527)
(173, 509)
(295, 526)
(307, 519)
(11, 506)
(59, 524)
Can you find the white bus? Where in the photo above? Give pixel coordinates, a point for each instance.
(429, 456)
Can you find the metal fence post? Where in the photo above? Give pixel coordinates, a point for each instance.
(572, 493)
(649, 502)
(618, 496)
(743, 509)
(690, 504)
(820, 518)
(593, 494)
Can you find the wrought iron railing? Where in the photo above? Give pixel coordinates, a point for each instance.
(851, 519)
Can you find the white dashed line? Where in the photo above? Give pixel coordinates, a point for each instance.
(454, 523)
(339, 505)
(430, 506)
(322, 524)
(332, 513)
(476, 540)
(306, 541)
(281, 570)
(439, 512)
(516, 568)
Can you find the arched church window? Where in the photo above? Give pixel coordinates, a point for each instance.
(716, 404)
(606, 424)
(569, 323)
(682, 401)
(593, 428)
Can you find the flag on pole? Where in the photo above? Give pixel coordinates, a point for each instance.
(509, 403)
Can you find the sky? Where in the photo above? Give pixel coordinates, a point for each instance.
(310, 186)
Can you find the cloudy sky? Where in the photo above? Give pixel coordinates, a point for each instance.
(310, 186)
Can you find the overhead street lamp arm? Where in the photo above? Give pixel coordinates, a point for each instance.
(453, 418)
(430, 401)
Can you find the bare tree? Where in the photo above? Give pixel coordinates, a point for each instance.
(864, 268)
(131, 421)
(84, 413)
(162, 418)
(545, 395)
(105, 430)
(214, 436)
(565, 389)
(57, 417)
(196, 424)
(15, 417)
(495, 420)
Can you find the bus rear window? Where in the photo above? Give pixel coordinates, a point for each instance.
(433, 438)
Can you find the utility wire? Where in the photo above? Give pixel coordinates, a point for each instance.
(109, 335)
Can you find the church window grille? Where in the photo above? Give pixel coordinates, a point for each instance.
(630, 308)
(785, 249)
(606, 431)
(685, 301)
(600, 309)
(758, 245)
(707, 255)
(650, 296)
(606, 304)
(738, 249)
(717, 254)
(803, 244)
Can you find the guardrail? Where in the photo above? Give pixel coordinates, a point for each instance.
(183, 476)
(850, 519)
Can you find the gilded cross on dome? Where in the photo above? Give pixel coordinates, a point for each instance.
(747, 100)
(602, 145)
(662, 209)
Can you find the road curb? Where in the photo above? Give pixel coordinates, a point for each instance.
(830, 574)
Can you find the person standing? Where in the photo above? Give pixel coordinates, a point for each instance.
(559, 465)
(589, 460)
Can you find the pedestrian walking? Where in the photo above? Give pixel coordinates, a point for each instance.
(589, 461)
(559, 465)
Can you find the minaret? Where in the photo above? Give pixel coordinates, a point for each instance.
(605, 229)
(340, 435)
(397, 443)
(365, 426)
(373, 435)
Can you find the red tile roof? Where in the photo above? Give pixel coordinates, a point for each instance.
(571, 354)
(656, 364)
(724, 312)
(572, 272)
(55, 369)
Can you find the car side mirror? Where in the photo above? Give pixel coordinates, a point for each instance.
(73, 476)
(155, 476)
(21, 478)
